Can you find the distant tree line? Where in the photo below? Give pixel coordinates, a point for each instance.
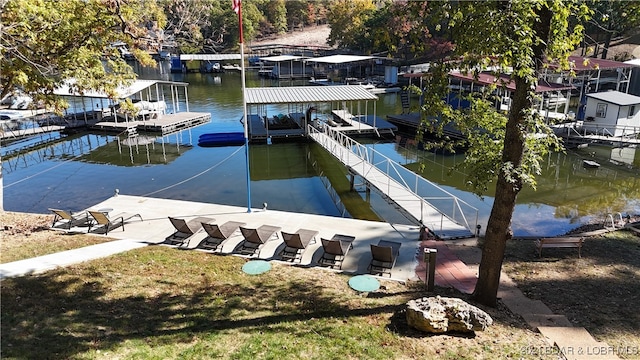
(395, 28)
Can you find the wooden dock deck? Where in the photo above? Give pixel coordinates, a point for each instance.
(165, 124)
(9, 134)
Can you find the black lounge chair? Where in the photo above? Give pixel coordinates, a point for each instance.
(102, 221)
(335, 250)
(185, 230)
(65, 220)
(216, 235)
(383, 257)
(254, 239)
(296, 243)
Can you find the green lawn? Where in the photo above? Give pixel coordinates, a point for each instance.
(163, 303)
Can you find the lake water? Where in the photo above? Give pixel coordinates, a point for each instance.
(78, 171)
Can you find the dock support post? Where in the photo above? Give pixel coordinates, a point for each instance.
(352, 180)
(430, 265)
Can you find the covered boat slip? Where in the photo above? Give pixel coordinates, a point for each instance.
(317, 106)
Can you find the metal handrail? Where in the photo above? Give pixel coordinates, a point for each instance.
(396, 174)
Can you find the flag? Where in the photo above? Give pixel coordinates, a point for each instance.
(236, 6)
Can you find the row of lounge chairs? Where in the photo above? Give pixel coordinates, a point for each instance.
(95, 221)
(384, 254)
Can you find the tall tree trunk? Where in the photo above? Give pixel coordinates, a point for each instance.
(509, 183)
(607, 42)
(499, 225)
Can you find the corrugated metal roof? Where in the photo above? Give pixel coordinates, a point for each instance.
(307, 94)
(281, 58)
(340, 59)
(616, 97)
(212, 57)
(122, 92)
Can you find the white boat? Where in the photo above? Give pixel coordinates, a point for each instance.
(590, 164)
(231, 67)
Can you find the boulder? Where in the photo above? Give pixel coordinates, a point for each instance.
(442, 314)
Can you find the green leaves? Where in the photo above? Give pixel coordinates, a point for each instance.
(47, 42)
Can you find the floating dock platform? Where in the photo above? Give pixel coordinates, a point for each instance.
(165, 124)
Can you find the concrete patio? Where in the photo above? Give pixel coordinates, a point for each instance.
(156, 227)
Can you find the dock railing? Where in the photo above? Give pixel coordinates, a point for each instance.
(356, 155)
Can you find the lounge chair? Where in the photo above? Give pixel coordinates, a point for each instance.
(254, 239)
(335, 250)
(296, 243)
(216, 235)
(383, 257)
(185, 230)
(66, 220)
(103, 221)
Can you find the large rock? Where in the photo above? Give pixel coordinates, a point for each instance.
(442, 314)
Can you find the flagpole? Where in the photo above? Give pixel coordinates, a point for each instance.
(237, 7)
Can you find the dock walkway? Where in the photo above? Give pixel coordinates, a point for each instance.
(8, 134)
(393, 186)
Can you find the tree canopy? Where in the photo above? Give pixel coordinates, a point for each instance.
(43, 43)
(347, 19)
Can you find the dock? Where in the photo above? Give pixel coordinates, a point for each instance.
(8, 134)
(362, 124)
(421, 201)
(164, 124)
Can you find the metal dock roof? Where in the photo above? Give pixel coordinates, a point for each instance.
(210, 57)
(307, 94)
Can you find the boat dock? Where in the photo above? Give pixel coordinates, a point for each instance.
(302, 102)
(165, 124)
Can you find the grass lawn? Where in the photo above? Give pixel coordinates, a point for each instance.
(26, 236)
(159, 302)
(163, 303)
(600, 291)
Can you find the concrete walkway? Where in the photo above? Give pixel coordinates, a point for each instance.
(575, 343)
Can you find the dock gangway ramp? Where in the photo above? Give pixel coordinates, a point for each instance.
(420, 200)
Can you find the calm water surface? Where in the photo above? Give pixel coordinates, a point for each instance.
(78, 171)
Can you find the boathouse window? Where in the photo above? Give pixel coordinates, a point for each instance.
(632, 111)
(601, 110)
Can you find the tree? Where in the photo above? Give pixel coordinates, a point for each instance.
(43, 43)
(276, 13)
(391, 31)
(347, 21)
(188, 21)
(522, 36)
(613, 18)
(297, 13)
